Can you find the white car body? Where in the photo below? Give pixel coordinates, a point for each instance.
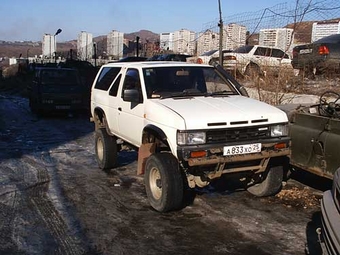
(204, 58)
(267, 59)
(190, 117)
(178, 114)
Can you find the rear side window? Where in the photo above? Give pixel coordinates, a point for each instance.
(261, 51)
(106, 77)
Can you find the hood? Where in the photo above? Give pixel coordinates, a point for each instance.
(222, 112)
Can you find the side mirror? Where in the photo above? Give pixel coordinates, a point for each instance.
(131, 95)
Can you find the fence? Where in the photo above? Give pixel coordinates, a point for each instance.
(281, 15)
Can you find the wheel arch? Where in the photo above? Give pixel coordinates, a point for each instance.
(154, 140)
(100, 119)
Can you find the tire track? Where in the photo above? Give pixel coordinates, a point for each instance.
(28, 185)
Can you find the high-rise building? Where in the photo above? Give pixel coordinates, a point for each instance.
(184, 42)
(115, 42)
(234, 36)
(166, 41)
(48, 46)
(85, 46)
(282, 38)
(324, 28)
(207, 41)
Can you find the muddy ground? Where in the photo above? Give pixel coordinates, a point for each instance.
(55, 200)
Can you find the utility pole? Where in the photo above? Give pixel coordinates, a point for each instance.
(137, 49)
(220, 24)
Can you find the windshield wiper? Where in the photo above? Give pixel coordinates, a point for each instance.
(221, 93)
(187, 93)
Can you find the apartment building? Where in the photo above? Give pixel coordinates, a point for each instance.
(234, 36)
(282, 38)
(207, 41)
(85, 46)
(166, 41)
(48, 46)
(184, 42)
(324, 28)
(115, 44)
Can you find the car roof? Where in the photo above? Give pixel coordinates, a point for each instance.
(151, 64)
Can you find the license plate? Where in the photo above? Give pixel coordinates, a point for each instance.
(242, 149)
(306, 51)
(63, 107)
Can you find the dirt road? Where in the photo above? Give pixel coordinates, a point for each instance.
(55, 200)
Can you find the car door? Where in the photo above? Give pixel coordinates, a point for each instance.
(131, 112)
(315, 141)
(107, 83)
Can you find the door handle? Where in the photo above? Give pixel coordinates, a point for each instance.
(120, 109)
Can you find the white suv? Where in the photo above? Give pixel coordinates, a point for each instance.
(257, 59)
(191, 124)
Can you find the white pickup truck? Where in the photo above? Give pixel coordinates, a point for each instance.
(191, 124)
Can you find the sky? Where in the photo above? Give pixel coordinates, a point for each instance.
(29, 20)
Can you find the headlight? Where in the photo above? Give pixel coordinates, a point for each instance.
(279, 130)
(190, 138)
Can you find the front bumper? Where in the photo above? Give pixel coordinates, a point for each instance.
(330, 224)
(214, 153)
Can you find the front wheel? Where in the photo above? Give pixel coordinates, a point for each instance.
(271, 183)
(163, 182)
(106, 149)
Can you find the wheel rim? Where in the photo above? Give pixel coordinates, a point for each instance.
(100, 149)
(155, 183)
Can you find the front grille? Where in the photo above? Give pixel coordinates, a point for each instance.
(237, 134)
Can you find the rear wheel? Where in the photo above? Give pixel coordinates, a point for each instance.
(106, 149)
(271, 182)
(163, 182)
(253, 70)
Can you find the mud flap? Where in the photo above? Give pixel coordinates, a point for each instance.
(144, 151)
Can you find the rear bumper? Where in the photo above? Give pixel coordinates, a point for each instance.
(330, 224)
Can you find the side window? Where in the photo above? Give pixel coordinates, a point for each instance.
(132, 80)
(114, 89)
(106, 77)
(260, 51)
(278, 53)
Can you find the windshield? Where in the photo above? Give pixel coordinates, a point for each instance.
(163, 82)
(59, 76)
(243, 49)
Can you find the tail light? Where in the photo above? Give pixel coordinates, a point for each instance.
(199, 61)
(323, 50)
(229, 58)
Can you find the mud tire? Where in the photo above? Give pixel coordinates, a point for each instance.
(106, 149)
(271, 183)
(163, 182)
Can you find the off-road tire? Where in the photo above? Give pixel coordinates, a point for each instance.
(163, 182)
(106, 149)
(271, 183)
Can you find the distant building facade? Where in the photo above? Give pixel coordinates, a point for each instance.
(184, 42)
(324, 28)
(234, 36)
(166, 41)
(85, 46)
(48, 46)
(115, 44)
(282, 38)
(207, 41)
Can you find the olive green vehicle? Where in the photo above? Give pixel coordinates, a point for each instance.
(315, 135)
